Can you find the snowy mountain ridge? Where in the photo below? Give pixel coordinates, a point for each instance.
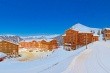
(11, 38)
(40, 37)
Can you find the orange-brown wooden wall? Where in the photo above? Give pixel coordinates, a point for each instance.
(43, 45)
(84, 38)
(73, 39)
(70, 38)
(8, 48)
(106, 34)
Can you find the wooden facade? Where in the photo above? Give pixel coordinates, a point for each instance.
(54, 43)
(8, 48)
(73, 39)
(70, 40)
(106, 34)
(84, 38)
(95, 38)
(28, 45)
(41, 45)
(48, 45)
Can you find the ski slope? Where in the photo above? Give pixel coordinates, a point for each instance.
(93, 60)
(57, 62)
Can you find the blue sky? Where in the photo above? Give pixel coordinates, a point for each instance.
(25, 17)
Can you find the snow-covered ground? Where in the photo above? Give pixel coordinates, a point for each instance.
(57, 62)
(93, 60)
(2, 55)
(27, 55)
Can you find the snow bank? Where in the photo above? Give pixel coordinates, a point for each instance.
(2, 55)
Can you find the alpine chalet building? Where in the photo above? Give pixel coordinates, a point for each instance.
(77, 36)
(106, 34)
(70, 39)
(8, 47)
(41, 44)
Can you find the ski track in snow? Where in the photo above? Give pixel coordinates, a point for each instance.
(92, 60)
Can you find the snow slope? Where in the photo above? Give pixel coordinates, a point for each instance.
(93, 60)
(55, 63)
(2, 55)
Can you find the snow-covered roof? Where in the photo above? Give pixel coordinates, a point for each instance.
(64, 35)
(30, 40)
(84, 32)
(107, 28)
(48, 40)
(2, 55)
(95, 35)
(67, 44)
(83, 29)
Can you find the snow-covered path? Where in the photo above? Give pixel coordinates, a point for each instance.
(93, 60)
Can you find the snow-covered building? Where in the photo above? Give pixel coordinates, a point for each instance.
(78, 35)
(8, 48)
(106, 33)
(84, 38)
(70, 39)
(28, 44)
(48, 45)
(39, 44)
(95, 38)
